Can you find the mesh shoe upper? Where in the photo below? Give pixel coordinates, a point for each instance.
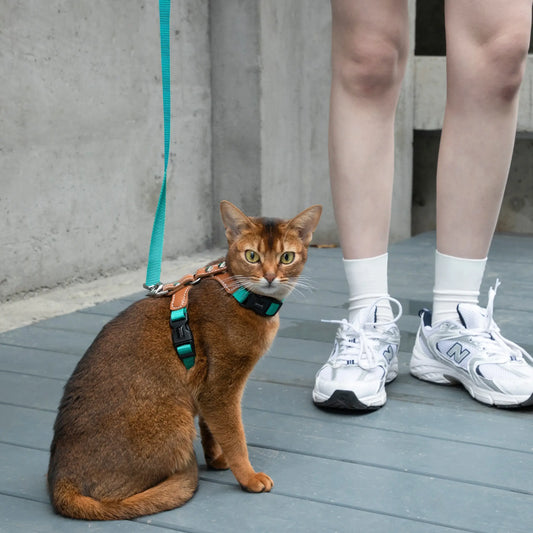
(475, 353)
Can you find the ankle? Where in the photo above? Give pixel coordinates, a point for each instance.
(457, 280)
(445, 304)
(383, 310)
(367, 283)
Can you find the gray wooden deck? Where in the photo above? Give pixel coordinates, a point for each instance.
(431, 460)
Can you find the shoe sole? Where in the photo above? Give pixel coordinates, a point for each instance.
(347, 400)
(428, 369)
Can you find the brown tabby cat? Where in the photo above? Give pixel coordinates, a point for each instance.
(123, 437)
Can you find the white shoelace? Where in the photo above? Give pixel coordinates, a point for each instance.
(489, 336)
(355, 340)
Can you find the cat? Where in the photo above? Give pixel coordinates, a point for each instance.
(124, 432)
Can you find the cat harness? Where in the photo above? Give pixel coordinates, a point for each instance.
(182, 337)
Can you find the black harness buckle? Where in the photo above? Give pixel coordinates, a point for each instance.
(260, 304)
(182, 338)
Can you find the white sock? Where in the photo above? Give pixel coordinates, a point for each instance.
(457, 280)
(367, 281)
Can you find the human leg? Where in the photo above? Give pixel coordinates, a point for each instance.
(487, 45)
(369, 50)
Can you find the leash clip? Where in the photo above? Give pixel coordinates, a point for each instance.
(155, 290)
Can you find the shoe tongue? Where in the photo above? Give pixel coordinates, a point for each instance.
(472, 316)
(366, 316)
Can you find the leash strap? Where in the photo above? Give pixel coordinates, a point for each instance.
(153, 272)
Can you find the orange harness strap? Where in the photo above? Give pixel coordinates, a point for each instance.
(180, 290)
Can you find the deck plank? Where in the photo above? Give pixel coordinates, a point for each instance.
(432, 459)
(28, 516)
(424, 455)
(233, 509)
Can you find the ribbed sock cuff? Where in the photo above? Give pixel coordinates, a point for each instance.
(457, 280)
(367, 281)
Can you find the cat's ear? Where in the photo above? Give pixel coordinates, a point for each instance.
(306, 222)
(234, 220)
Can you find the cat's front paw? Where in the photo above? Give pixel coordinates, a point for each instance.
(219, 463)
(258, 482)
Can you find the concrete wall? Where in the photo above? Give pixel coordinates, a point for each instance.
(295, 54)
(270, 86)
(236, 89)
(81, 137)
(81, 134)
(81, 129)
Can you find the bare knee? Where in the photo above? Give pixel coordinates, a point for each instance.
(369, 69)
(504, 61)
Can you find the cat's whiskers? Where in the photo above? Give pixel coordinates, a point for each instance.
(298, 285)
(296, 290)
(305, 280)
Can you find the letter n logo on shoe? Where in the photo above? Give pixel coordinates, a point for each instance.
(458, 353)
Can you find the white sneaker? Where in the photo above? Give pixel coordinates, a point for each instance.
(363, 359)
(492, 369)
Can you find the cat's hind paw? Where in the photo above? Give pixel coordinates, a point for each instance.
(258, 482)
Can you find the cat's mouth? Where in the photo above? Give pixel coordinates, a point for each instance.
(274, 289)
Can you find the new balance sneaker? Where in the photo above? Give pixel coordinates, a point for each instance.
(474, 353)
(364, 358)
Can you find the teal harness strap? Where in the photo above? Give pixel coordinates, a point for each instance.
(153, 272)
(182, 337)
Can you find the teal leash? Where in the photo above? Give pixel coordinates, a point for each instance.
(153, 272)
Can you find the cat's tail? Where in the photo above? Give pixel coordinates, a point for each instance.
(170, 493)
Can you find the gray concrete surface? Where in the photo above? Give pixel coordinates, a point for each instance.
(81, 139)
(235, 85)
(270, 90)
(295, 76)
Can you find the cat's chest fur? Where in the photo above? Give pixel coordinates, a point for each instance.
(228, 339)
(230, 331)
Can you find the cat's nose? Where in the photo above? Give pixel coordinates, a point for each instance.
(270, 277)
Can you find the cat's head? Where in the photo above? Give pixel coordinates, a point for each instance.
(266, 255)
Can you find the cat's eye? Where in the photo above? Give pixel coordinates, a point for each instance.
(287, 258)
(251, 256)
